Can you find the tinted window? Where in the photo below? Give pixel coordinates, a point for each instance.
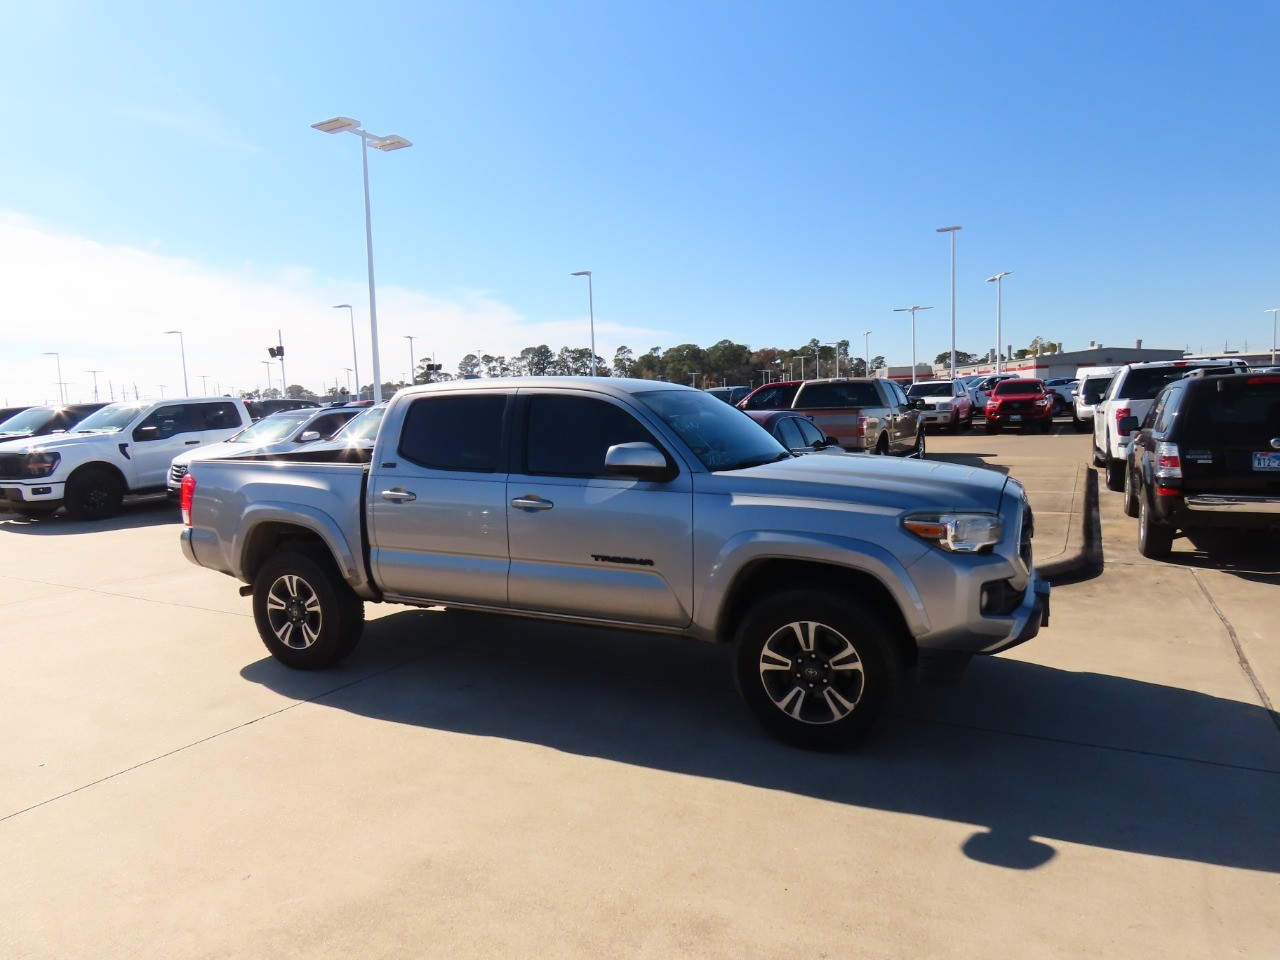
(455, 433)
(569, 436)
(1013, 386)
(1093, 388)
(168, 421)
(852, 394)
(896, 394)
(788, 432)
(214, 416)
(931, 390)
(1234, 414)
(772, 398)
(1143, 383)
(810, 434)
(330, 423)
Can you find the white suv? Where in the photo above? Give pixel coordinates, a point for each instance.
(1131, 394)
(122, 448)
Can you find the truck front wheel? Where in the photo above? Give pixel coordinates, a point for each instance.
(306, 614)
(93, 493)
(817, 671)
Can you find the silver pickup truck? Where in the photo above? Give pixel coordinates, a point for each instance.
(638, 505)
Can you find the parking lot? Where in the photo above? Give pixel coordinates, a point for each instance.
(465, 786)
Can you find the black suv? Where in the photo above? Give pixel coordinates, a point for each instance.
(1207, 456)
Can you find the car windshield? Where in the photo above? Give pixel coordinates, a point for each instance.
(110, 419)
(929, 390)
(277, 426)
(720, 436)
(365, 426)
(1006, 387)
(28, 421)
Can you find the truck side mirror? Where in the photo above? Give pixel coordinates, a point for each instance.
(308, 436)
(143, 434)
(641, 461)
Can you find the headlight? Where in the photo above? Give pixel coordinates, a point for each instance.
(41, 463)
(944, 406)
(957, 532)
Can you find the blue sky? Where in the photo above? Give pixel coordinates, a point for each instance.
(763, 172)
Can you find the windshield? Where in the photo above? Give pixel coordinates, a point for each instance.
(720, 436)
(28, 421)
(272, 428)
(1007, 387)
(929, 390)
(363, 427)
(110, 419)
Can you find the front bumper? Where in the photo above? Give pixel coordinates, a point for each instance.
(20, 493)
(943, 417)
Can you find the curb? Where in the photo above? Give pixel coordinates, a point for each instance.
(1086, 564)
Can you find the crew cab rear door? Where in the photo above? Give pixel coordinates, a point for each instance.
(584, 543)
(436, 502)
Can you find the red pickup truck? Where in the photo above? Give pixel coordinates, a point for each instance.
(867, 414)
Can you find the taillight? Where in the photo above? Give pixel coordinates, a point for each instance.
(859, 426)
(188, 491)
(1121, 413)
(1168, 462)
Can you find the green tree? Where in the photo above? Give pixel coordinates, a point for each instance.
(623, 361)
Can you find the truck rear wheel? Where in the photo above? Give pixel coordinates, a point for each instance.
(1115, 474)
(816, 671)
(306, 615)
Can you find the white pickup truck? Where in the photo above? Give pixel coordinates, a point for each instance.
(637, 505)
(122, 448)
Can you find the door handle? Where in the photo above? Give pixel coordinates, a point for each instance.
(191, 443)
(398, 494)
(532, 502)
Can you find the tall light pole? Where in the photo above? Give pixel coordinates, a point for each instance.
(204, 384)
(591, 308)
(412, 378)
(693, 377)
(912, 311)
(385, 144)
(348, 369)
(1273, 311)
(866, 348)
(95, 383)
(996, 280)
(62, 393)
(183, 347)
(952, 231)
(355, 363)
(268, 363)
(837, 346)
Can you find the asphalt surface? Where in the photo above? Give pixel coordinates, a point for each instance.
(465, 786)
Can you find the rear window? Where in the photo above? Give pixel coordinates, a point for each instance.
(1235, 414)
(821, 395)
(1143, 383)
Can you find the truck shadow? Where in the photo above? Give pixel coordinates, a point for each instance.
(968, 460)
(1029, 755)
(148, 511)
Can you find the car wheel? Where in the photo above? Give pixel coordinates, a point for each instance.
(93, 493)
(306, 615)
(1079, 424)
(882, 446)
(1130, 494)
(992, 426)
(1115, 475)
(1155, 539)
(918, 450)
(816, 671)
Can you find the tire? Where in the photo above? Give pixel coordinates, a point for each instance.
(1130, 495)
(93, 493)
(1115, 474)
(306, 615)
(1155, 539)
(1079, 424)
(918, 450)
(841, 645)
(992, 427)
(882, 446)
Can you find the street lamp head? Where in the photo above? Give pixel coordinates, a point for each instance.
(581, 273)
(342, 306)
(336, 125)
(948, 229)
(387, 144)
(173, 331)
(999, 276)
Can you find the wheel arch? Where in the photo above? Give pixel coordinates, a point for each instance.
(100, 466)
(271, 536)
(780, 574)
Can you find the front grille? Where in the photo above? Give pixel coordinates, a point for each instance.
(11, 466)
(177, 471)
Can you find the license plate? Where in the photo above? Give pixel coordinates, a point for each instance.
(1015, 418)
(1266, 461)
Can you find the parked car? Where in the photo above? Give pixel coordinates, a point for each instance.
(730, 395)
(274, 433)
(796, 432)
(46, 419)
(119, 449)
(1091, 386)
(1062, 393)
(264, 408)
(1131, 394)
(865, 414)
(7, 412)
(1021, 402)
(1207, 457)
(631, 504)
(947, 404)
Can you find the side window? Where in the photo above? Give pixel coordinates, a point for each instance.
(168, 422)
(327, 425)
(810, 434)
(896, 397)
(215, 416)
(1165, 408)
(455, 433)
(569, 436)
(772, 398)
(788, 433)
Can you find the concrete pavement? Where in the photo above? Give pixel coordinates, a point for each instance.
(465, 786)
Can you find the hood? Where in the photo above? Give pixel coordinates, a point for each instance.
(231, 448)
(56, 441)
(885, 482)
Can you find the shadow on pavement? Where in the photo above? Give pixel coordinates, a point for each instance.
(150, 511)
(969, 460)
(1249, 555)
(1028, 755)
